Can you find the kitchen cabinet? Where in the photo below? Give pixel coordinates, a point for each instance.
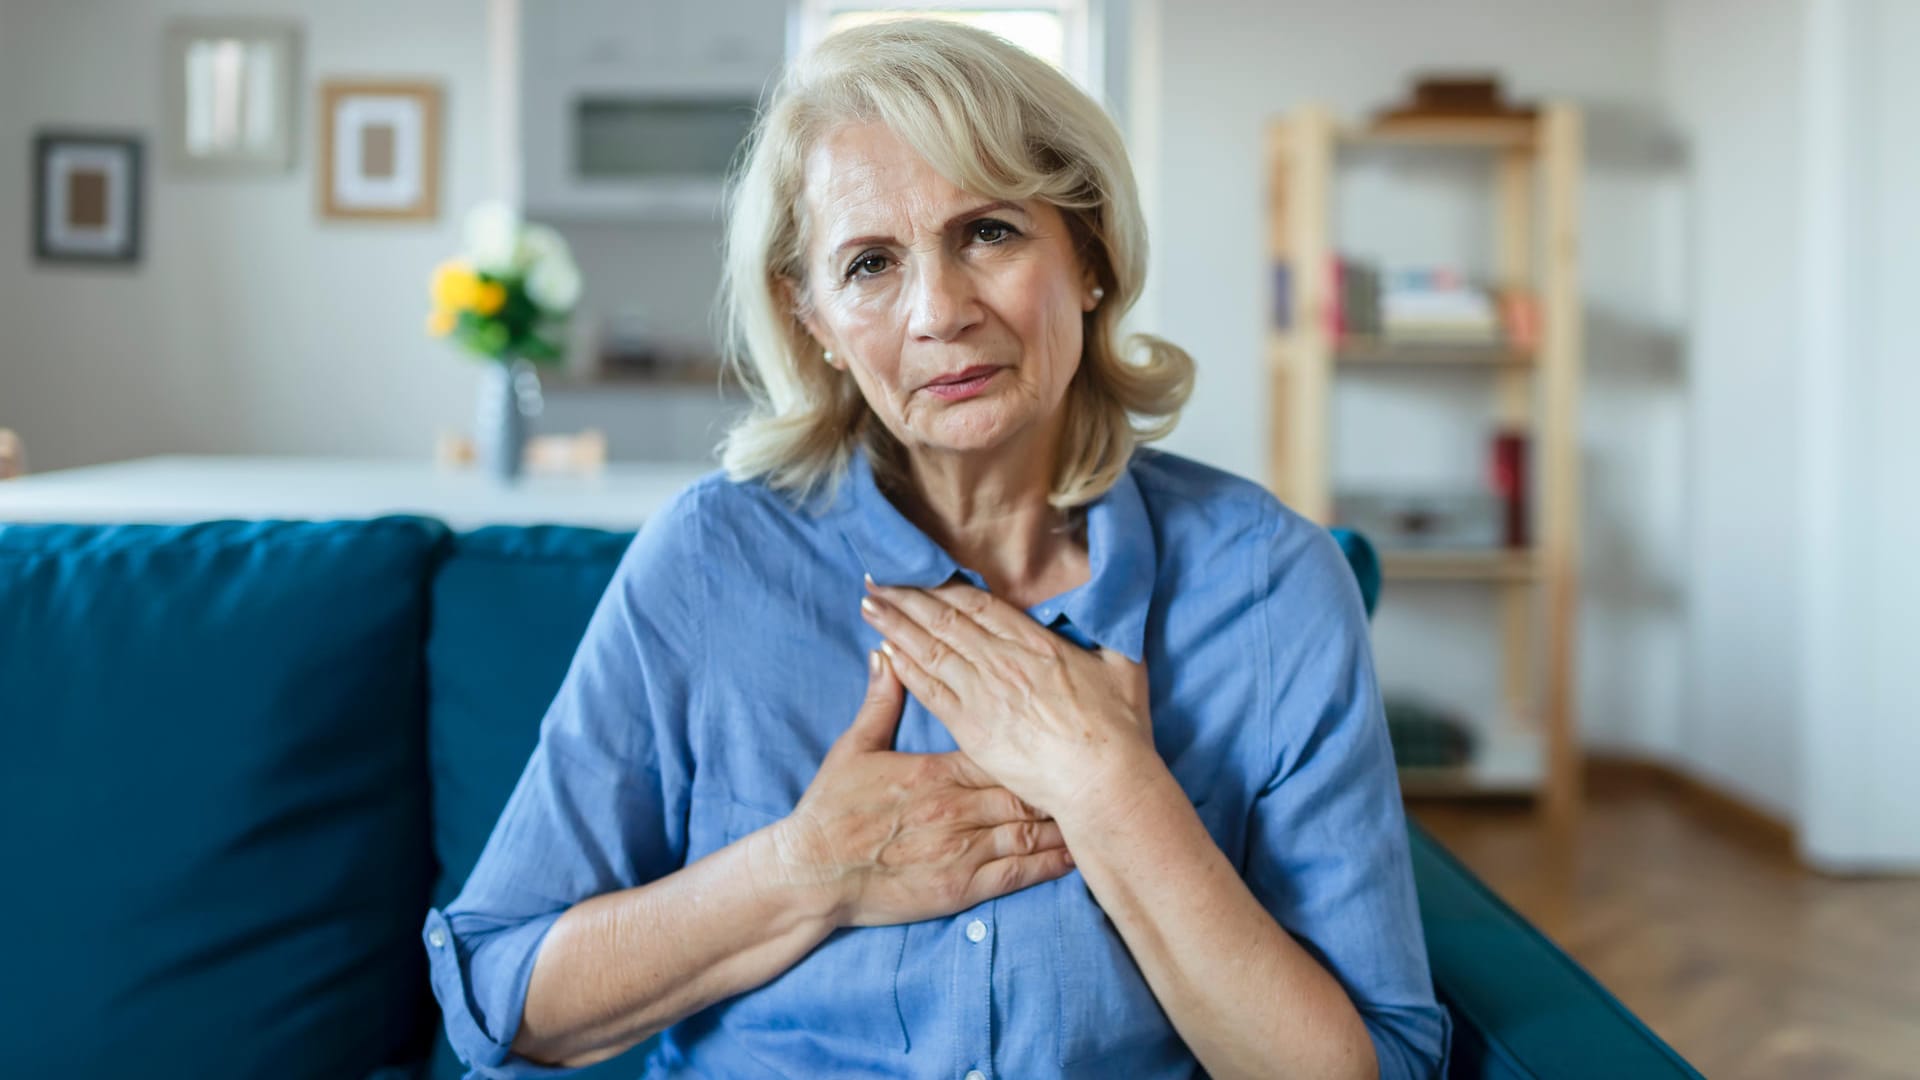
(609, 91)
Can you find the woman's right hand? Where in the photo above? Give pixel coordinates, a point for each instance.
(887, 837)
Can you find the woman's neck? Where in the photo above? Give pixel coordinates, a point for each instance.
(990, 512)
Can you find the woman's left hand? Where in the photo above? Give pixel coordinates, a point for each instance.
(1046, 718)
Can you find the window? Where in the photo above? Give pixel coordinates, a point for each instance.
(1057, 31)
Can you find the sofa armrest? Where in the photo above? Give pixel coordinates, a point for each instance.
(1521, 1007)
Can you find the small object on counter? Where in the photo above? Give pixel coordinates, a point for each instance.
(13, 455)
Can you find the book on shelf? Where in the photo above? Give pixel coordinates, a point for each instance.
(1507, 476)
(1282, 296)
(1437, 305)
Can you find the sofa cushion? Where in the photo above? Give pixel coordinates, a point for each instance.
(215, 786)
(509, 608)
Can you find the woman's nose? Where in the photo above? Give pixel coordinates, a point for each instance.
(945, 301)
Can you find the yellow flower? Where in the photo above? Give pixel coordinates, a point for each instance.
(454, 285)
(487, 297)
(441, 322)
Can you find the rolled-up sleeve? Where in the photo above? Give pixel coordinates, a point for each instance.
(503, 968)
(1327, 846)
(601, 805)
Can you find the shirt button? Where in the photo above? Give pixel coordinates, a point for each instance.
(976, 930)
(437, 938)
(976, 1074)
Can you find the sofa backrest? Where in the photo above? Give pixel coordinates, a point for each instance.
(215, 792)
(509, 608)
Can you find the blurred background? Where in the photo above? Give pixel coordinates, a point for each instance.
(1589, 313)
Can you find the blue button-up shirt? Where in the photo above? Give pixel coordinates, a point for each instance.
(728, 654)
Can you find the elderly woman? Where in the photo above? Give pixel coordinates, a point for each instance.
(951, 732)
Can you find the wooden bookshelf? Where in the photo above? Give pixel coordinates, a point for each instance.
(1537, 166)
(1491, 133)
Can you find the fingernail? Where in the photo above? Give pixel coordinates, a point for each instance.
(873, 662)
(869, 606)
(887, 646)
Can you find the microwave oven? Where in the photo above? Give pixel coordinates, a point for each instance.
(633, 155)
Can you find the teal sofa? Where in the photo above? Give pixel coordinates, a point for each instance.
(244, 757)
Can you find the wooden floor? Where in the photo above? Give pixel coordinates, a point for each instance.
(1747, 964)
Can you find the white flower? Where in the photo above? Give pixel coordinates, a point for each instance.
(539, 243)
(492, 232)
(554, 282)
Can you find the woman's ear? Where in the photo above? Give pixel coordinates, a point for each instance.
(796, 302)
(1090, 291)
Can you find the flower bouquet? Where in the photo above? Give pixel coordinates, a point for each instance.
(507, 299)
(510, 293)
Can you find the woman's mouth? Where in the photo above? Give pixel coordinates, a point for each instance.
(975, 381)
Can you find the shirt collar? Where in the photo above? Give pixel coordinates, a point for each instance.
(1110, 609)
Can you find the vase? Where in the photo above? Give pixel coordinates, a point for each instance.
(509, 404)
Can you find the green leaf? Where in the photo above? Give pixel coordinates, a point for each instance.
(536, 348)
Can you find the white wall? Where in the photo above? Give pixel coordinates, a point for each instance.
(1805, 252)
(1225, 67)
(249, 325)
(1883, 828)
(1859, 745)
(1734, 77)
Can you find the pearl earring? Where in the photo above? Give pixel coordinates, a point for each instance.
(827, 356)
(1098, 294)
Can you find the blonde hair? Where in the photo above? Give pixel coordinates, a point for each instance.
(997, 122)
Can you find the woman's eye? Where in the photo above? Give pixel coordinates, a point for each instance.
(986, 230)
(992, 232)
(874, 262)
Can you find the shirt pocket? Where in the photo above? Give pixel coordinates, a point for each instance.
(1106, 1006)
(845, 991)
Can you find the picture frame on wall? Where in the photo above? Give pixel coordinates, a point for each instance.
(379, 150)
(231, 94)
(86, 197)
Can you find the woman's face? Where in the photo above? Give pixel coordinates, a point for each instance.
(912, 281)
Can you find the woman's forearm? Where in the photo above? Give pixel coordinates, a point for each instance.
(619, 967)
(1246, 998)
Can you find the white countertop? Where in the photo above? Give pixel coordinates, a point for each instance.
(179, 489)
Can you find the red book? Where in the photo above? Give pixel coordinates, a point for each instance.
(1336, 301)
(1509, 478)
